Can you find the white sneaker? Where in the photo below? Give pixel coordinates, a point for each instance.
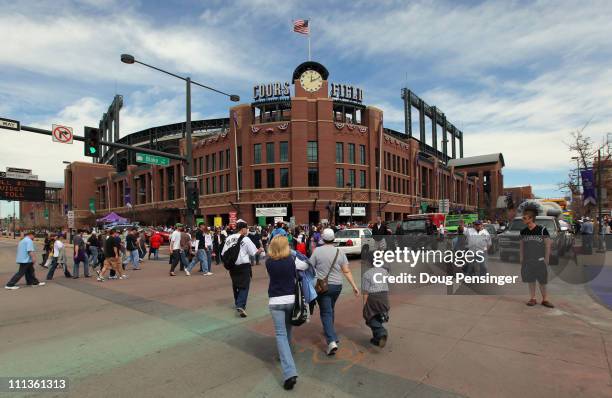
(40, 284)
(208, 273)
(100, 279)
(187, 273)
(332, 348)
(123, 277)
(11, 287)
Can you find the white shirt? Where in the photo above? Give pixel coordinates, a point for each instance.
(479, 240)
(247, 248)
(208, 240)
(175, 240)
(57, 246)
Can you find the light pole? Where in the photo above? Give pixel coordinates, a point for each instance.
(350, 185)
(129, 59)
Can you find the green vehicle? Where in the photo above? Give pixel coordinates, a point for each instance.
(452, 221)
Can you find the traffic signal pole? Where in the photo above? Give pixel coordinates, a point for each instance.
(110, 144)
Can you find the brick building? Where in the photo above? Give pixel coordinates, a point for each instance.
(48, 214)
(310, 155)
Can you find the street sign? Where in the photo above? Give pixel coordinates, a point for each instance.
(22, 190)
(92, 205)
(9, 124)
(62, 134)
(70, 216)
(191, 179)
(152, 159)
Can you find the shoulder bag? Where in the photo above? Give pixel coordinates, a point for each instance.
(322, 285)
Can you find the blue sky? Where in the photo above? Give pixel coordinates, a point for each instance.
(516, 76)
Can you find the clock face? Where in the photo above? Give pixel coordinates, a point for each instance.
(311, 81)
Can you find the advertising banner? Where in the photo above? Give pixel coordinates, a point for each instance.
(588, 184)
(271, 212)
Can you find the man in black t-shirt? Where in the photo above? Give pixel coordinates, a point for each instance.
(534, 256)
(112, 256)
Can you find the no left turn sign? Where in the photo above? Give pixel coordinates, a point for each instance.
(62, 134)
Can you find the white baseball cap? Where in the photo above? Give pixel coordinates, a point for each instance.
(328, 235)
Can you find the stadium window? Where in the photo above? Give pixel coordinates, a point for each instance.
(339, 178)
(221, 183)
(284, 151)
(362, 179)
(228, 162)
(221, 167)
(214, 184)
(284, 178)
(362, 154)
(352, 177)
(227, 182)
(351, 153)
(257, 153)
(269, 152)
(207, 164)
(239, 179)
(313, 177)
(207, 186)
(257, 179)
(213, 161)
(339, 152)
(270, 178)
(312, 153)
(239, 156)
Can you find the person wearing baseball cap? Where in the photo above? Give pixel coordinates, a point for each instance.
(331, 264)
(241, 272)
(26, 257)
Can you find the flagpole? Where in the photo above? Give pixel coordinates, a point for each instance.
(309, 30)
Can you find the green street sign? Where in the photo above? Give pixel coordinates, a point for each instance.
(92, 205)
(46, 213)
(152, 159)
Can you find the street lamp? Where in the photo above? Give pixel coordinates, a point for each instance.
(350, 185)
(129, 59)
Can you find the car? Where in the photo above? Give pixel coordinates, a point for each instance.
(509, 241)
(494, 238)
(354, 241)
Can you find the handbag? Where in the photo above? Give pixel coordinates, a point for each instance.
(300, 313)
(321, 286)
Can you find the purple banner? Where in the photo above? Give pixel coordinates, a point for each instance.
(128, 196)
(588, 187)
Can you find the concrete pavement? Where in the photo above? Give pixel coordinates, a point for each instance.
(156, 336)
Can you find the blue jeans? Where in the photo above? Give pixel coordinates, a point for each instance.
(93, 258)
(75, 268)
(281, 316)
(209, 258)
(378, 330)
(202, 258)
(327, 302)
(240, 296)
(135, 258)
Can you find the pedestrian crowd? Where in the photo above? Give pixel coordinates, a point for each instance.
(306, 269)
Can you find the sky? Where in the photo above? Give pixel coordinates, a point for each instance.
(515, 76)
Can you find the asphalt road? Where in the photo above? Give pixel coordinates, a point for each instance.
(156, 336)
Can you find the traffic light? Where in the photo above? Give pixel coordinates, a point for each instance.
(92, 142)
(193, 198)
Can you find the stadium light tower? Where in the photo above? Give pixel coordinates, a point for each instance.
(129, 59)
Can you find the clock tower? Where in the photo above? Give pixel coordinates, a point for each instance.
(310, 80)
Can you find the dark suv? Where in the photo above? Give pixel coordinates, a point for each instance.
(509, 240)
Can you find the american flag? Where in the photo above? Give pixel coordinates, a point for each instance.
(301, 26)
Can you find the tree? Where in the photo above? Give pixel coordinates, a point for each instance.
(581, 148)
